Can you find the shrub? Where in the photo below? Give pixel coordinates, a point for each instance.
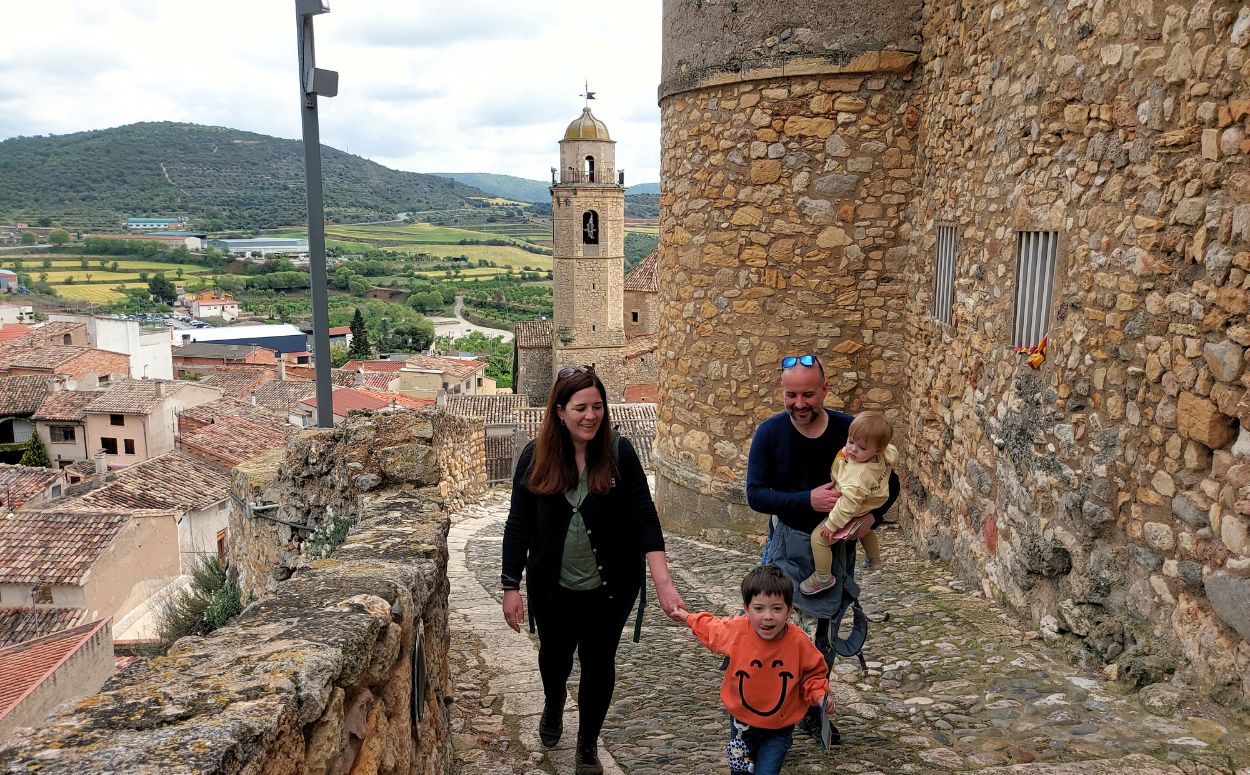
(211, 600)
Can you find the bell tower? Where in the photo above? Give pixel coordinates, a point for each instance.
(588, 224)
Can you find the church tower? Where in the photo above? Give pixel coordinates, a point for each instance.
(588, 224)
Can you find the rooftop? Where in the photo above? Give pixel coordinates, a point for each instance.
(638, 345)
(21, 395)
(53, 548)
(174, 480)
(234, 383)
(236, 440)
(230, 406)
(455, 367)
(346, 399)
(135, 396)
(227, 352)
(644, 276)
(374, 365)
(496, 409)
(587, 127)
(65, 405)
(283, 396)
(24, 666)
(533, 333)
(23, 624)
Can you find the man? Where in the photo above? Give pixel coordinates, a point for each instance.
(788, 478)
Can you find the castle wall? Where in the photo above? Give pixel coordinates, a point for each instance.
(647, 305)
(1105, 495)
(781, 232)
(534, 375)
(341, 668)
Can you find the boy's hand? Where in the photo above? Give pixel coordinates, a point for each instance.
(831, 705)
(680, 614)
(828, 534)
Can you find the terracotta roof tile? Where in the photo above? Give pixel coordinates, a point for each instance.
(634, 421)
(398, 399)
(375, 366)
(639, 345)
(234, 440)
(174, 480)
(21, 395)
(229, 406)
(456, 367)
(53, 548)
(12, 331)
(644, 276)
(20, 484)
(134, 396)
(65, 405)
(24, 666)
(533, 333)
(496, 409)
(238, 384)
(23, 624)
(283, 396)
(346, 399)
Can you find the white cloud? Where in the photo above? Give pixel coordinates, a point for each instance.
(473, 85)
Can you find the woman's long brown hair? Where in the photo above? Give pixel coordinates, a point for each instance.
(553, 468)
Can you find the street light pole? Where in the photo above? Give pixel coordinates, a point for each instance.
(314, 81)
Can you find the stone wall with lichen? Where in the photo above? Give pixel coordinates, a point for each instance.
(1105, 494)
(339, 666)
(293, 505)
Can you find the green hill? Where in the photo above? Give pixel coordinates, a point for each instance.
(221, 178)
(507, 186)
(643, 188)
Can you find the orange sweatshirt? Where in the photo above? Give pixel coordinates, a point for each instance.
(768, 683)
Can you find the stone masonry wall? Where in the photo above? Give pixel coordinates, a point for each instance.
(1106, 493)
(535, 374)
(302, 494)
(341, 668)
(781, 232)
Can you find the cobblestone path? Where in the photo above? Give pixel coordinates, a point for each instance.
(954, 685)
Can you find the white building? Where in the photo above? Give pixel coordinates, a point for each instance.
(16, 312)
(260, 247)
(226, 309)
(150, 351)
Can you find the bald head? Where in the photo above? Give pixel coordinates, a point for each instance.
(803, 388)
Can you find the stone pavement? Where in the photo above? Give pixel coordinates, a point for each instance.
(954, 685)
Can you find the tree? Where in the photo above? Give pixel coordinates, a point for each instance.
(35, 454)
(339, 355)
(115, 266)
(28, 238)
(44, 221)
(360, 347)
(58, 237)
(162, 290)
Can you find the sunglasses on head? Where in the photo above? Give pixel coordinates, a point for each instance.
(569, 371)
(793, 360)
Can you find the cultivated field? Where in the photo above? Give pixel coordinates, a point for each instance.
(98, 288)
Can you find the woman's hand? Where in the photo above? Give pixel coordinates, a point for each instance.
(513, 608)
(670, 599)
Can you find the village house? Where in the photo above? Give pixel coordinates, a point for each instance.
(204, 357)
(19, 399)
(193, 419)
(193, 494)
(347, 399)
(148, 348)
(136, 418)
(283, 396)
(426, 376)
(23, 623)
(208, 304)
(229, 441)
(60, 422)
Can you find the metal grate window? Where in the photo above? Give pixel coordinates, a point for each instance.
(944, 279)
(1035, 286)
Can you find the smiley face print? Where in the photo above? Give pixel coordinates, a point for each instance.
(764, 687)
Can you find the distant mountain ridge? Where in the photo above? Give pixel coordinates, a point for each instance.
(506, 186)
(219, 177)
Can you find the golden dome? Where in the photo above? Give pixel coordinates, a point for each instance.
(587, 127)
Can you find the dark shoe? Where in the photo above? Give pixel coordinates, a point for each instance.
(588, 759)
(550, 727)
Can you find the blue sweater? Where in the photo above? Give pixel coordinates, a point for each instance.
(784, 466)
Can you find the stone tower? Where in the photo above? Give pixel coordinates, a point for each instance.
(788, 151)
(588, 221)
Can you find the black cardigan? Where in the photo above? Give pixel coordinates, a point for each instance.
(622, 525)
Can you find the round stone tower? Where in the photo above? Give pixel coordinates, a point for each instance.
(787, 147)
(588, 224)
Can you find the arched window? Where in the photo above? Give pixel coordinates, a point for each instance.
(590, 169)
(590, 228)
(67, 339)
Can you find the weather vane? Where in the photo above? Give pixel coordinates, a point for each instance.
(589, 95)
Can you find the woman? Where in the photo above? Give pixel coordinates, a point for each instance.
(581, 516)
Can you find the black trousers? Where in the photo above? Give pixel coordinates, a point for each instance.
(589, 623)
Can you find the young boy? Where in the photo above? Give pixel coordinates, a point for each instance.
(861, 471)
(774, 670)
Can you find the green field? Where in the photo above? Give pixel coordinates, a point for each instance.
(99, 287)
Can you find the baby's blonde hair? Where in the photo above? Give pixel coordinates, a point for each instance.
(871, 429)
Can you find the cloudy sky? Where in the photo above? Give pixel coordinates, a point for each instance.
(459, 86)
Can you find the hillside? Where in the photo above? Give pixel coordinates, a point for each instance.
(221, 178)
(506, 186)
(643, 188)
